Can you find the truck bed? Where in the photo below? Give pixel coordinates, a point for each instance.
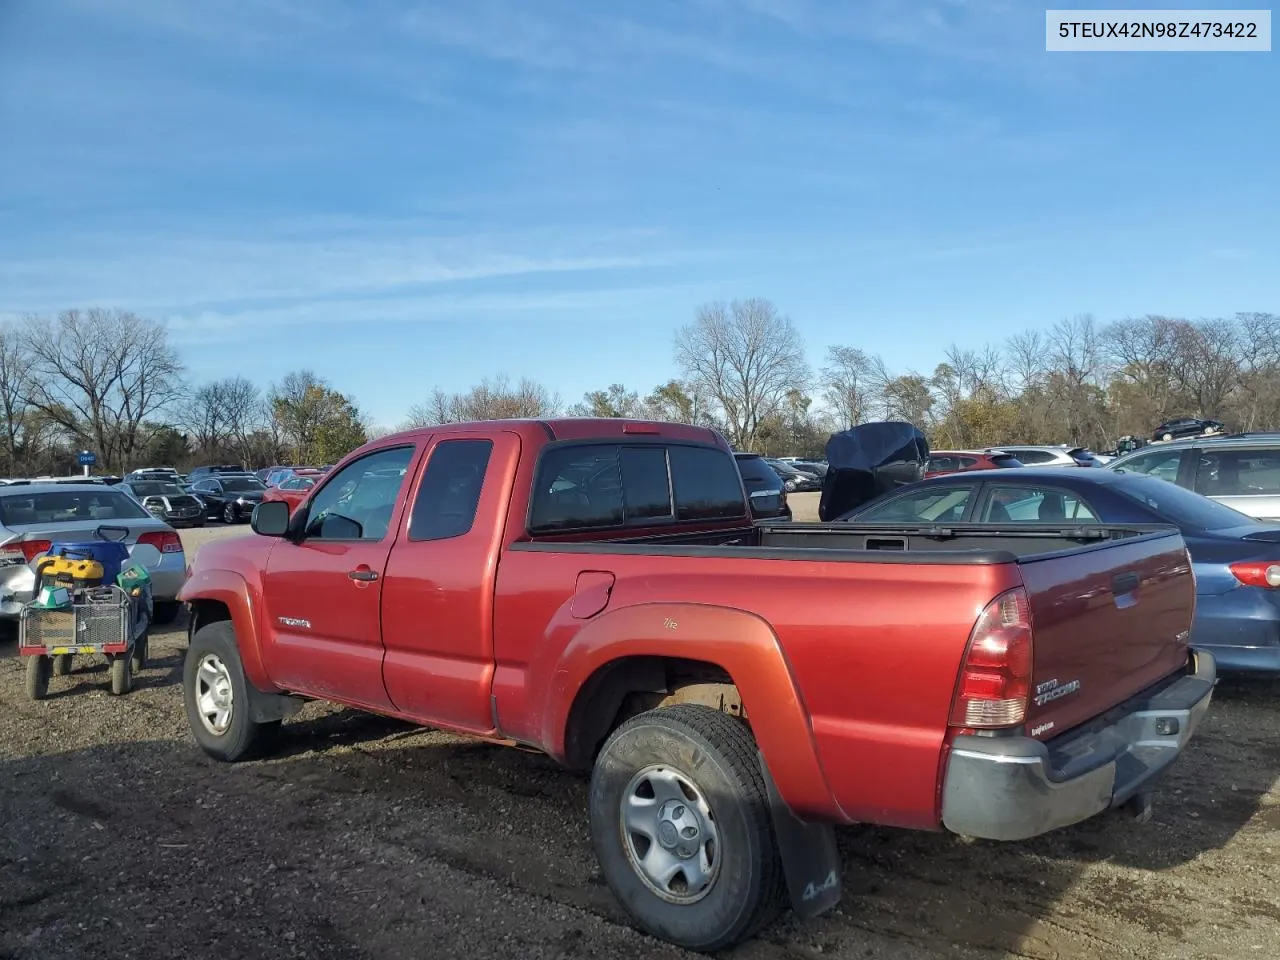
(869, 543)
(875, 621)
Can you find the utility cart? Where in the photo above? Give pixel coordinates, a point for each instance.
(89, 602)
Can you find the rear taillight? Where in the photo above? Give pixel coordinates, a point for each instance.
(166, 541)
(33, 548)
(1257, 574)
(24, 551)
(995, 676)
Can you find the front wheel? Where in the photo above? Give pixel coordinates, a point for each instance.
(216, 693)
(1167, 436)
(681, 825)
(61, 664)
(229, 513)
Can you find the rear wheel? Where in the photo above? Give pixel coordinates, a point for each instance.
(216, 693)
(1167, 436)
(140, 653)
(681, 825)
(39, 670)
(121, 674)
(62, 665)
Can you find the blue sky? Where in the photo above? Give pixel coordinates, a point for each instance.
(407, 195)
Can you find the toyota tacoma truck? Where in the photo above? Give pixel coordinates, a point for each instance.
(597, 590)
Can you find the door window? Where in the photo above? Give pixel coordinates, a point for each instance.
(1027, 504)
(1158, 463)
(449, 494)
(357, 502)
(940, 504)
(1238, 473)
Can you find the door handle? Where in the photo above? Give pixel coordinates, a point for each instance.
(363, 574)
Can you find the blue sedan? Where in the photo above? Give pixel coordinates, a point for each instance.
(1236, 559)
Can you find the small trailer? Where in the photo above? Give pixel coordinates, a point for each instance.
(91, 599)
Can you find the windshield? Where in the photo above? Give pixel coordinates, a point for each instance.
(154, 488)
(1179, 505)
(241, 484)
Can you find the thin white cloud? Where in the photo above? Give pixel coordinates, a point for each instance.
(308, 260)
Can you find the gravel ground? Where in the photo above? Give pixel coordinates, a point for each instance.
(366, 838)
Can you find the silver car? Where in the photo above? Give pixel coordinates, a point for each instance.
(32, 516)
(1240, 471)
(1049, 455)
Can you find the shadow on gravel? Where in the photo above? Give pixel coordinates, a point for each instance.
(335, 837)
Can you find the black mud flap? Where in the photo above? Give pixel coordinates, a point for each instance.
(810, 860)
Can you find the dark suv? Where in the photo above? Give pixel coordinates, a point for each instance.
(764, 487)
(212, 470)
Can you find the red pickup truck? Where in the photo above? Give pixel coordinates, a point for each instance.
(596, 589)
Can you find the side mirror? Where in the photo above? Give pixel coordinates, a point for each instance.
(270, 518)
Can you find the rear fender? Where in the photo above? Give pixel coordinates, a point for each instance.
(231, 591)
(740, 643)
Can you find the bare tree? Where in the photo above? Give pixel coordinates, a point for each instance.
(14, 359)
(747, 356)
(848, 382)
(494, 399)
(102, 375)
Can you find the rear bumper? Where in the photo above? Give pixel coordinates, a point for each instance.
(1012, 788)
(1241, 629)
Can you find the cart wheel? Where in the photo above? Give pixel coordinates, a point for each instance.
(39, 669)
(62, 665)
(121, 674)
(140, 653)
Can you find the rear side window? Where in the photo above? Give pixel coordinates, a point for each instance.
(1158, 463)
(610, 485)
(1035, 456)
(577, 487)
(1026, 504)
(447, 499)
(1239, 473)
(707, 484)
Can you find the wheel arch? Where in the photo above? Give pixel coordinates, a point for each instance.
(692, 653)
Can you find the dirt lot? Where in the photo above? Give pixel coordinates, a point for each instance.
(370, 839)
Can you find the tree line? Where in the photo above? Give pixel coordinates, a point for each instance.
(744, 371)
(110, 381)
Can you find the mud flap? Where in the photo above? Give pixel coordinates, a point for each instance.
(810, 861)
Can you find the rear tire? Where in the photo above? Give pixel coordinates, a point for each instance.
(216, 693)
(165, 611)
(62, 665)
(39, 669)
(121, 674)
(706, 872)
(140, 650)
(1167, 436)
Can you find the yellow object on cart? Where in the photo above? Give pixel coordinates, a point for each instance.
(83, 571)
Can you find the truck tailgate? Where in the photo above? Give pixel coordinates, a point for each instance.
(1108, 622)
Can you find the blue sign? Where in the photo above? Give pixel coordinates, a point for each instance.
(87, 459)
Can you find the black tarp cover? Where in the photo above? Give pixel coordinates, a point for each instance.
(868, 460)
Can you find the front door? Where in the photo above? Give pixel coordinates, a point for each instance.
(323, 593)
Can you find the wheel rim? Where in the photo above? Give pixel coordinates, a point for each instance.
(214, 700)
(229, 513)
(669, 834)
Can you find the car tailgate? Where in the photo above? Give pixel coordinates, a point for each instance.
(1108, 621)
